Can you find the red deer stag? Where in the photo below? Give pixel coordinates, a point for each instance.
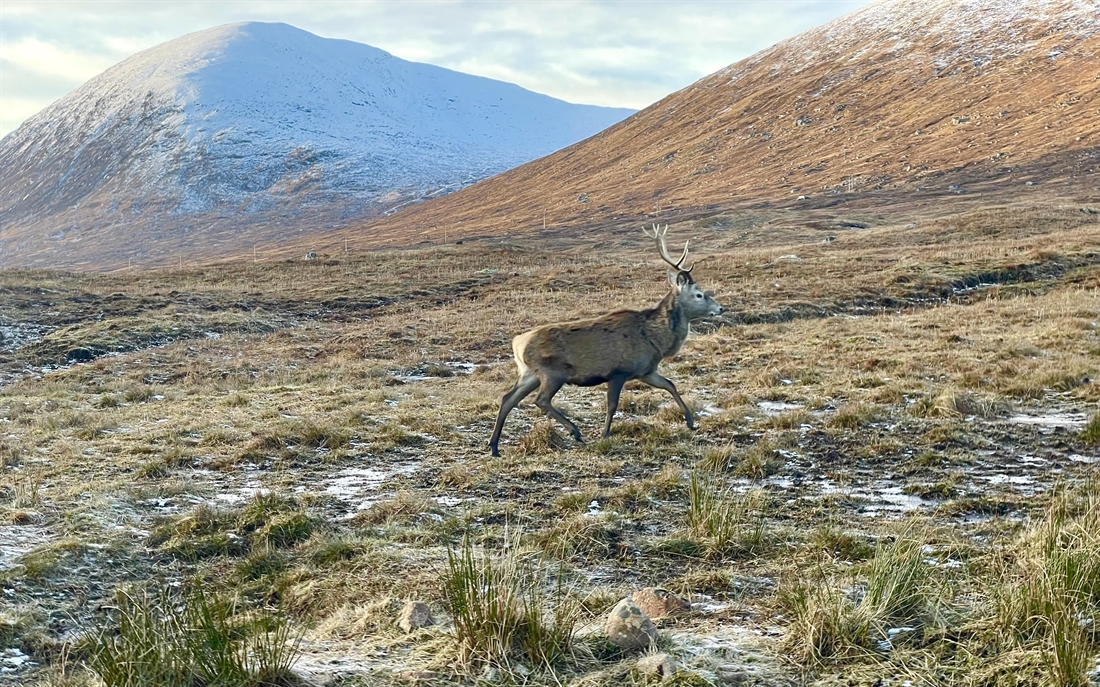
(614, 348)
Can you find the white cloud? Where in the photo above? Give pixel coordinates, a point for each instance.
(48, 59)
(15, 110)
(603, 52)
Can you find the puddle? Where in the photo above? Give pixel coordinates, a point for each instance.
(881, 499)
(455, 368)
(893, 499)
(777, 407)
(1025, 484)
(1065, 420)
(360, 486)
(16, 540)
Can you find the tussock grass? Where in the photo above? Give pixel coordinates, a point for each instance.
(267, 520)
(1090, 435)
(833, 623)
(200, 639)
(1051, 593)
(509, 610)
(725, 521)
(582, 536)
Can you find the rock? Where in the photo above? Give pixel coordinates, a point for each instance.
(417, 676)
(629, 628)
(658, 603)
(657, 665)
(414, 616)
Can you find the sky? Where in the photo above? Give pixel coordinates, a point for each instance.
(598, 52)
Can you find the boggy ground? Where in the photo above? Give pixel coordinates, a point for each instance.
(891, 482)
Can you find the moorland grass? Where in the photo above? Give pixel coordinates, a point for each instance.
(905, 374)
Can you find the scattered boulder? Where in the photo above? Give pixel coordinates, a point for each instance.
(658, 603)
(657, 665)
(630, 628)
(414, 616)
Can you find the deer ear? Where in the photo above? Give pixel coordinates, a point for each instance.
(683, 279)
(674, 280)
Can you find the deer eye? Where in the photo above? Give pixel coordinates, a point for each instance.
(698, 295)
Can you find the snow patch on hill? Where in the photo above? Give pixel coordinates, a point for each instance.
(256, 117)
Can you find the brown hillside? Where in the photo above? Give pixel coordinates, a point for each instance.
(901, 101)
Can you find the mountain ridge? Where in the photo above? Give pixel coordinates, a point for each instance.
(898, 100)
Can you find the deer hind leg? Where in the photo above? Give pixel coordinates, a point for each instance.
(614, 388)
(655, 380)
(550, 386)
(527, 383)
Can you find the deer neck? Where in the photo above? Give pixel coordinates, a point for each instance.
(668, 325)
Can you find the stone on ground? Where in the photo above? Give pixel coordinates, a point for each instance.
(628, 627)
(658, 603)
(656, 665)
(414, 616)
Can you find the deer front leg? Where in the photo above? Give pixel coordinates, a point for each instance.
(526, 384)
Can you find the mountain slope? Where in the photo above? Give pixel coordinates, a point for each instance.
(228, 137)
(901, 99)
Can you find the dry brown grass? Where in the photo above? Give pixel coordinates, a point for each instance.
(905, 398)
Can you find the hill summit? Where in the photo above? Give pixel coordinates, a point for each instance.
(248, 133)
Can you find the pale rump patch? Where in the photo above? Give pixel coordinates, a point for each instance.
(519, 345)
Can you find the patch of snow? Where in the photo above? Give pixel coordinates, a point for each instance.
(354, 485)
(13, 659)
(251, 117)
(16, 540)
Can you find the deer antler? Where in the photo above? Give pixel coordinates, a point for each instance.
(659, 236)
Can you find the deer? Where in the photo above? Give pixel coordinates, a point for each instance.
(614, 348)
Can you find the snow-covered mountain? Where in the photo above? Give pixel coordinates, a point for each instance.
(233, 136)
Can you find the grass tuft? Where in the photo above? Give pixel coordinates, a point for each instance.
(726, 521)
(198, 639)
(503, 614)
(1090, 435)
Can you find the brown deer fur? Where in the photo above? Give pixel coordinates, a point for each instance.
(614, 348)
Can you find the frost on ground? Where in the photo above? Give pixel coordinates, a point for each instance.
(326, 463)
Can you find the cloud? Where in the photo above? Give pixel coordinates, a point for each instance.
(602, 52)
(50, 60)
